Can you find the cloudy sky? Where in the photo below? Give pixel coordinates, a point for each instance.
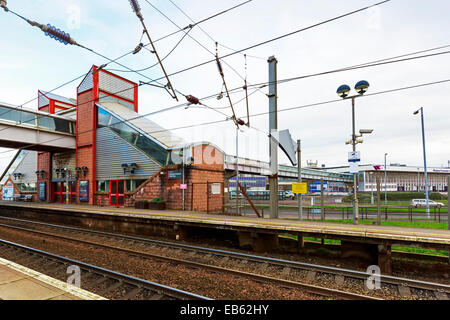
(30, 61)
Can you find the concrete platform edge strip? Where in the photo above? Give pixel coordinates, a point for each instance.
(75, 291)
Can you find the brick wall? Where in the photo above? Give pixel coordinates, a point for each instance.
(102, 199)
(198, 177)
(85, 140)
(44, 163)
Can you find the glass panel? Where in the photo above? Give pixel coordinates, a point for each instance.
(113, 200)
(57, 198)
(121, 201)
(139, 183)
(121, 189)
(152, 149)
(129, 185)
(73, 186)
(132, 136)
(101, 186)
(57, 187)
(74, 198)
(58, 125)
(113, 187)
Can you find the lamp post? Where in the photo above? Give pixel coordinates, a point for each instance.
(361, 87)
(385, 179)
(424, 160)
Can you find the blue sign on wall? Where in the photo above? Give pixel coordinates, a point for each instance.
(84, 191)
(42, 191)
(315, 186)
(175, 175)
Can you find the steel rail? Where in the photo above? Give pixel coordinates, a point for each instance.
(424, 285)
(153, 286)
(259, 278)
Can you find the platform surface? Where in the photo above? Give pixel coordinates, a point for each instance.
(20, 283)
(431, 236)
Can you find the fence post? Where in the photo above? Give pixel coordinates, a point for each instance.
(322, 205)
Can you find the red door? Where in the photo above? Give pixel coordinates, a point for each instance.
(117, 193)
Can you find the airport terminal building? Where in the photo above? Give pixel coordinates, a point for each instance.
(399, 178)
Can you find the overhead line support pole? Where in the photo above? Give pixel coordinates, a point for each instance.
(273, 126)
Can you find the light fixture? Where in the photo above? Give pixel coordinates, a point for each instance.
(77, 170)
(85, 170)
(365, 131)
(343, 91)
(40, 174)
(362, 86)
(17, 175)
(125, 167)
(133, 168)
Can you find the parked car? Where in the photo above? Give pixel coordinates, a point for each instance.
(423, 203)
(289, 194)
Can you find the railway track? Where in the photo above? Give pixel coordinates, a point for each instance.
(109, 281)
(312, 289)
(404, 286)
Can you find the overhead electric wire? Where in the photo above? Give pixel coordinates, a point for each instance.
(186, 33)
(206, 33)
(160, 39)
(200, 44)
(279, 37)
(365, 65)
(359, 66)
(242, 50)
(258, 114)
(154, 65)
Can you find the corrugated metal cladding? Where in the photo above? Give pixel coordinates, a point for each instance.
(87, 84)
(112, 151)
(116, 86)
(27, 167)
(43, 101)
(64, 160)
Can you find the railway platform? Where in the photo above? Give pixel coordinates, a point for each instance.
(20, 283)
(369, 242)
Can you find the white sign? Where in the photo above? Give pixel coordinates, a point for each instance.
(354, 156)
(8, 193)
(354, 167)
(216, 188)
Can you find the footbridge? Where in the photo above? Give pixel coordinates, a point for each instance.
(22, 128)
(255, 167)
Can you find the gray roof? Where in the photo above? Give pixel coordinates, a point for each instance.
(53, 96)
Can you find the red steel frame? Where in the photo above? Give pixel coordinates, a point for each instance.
(135, 102)
(52, 106)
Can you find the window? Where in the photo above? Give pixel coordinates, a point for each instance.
(27, 187)
(132, 185)
(102, 186)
